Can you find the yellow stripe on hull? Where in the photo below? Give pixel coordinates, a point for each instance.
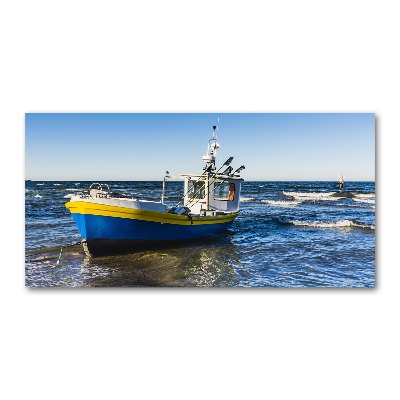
(83, 207)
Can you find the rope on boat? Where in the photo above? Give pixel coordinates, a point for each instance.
(68, 245)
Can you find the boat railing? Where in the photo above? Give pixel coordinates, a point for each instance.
(98, 192)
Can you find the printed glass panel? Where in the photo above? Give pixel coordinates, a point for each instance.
(198, 191)
(225, 191)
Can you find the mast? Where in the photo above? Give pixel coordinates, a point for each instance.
(209, 159)
(207, 192)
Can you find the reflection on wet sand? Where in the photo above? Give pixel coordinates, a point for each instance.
(203, 263)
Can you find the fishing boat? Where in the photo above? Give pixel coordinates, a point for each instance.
(109, 222)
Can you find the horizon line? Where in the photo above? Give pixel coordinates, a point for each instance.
(177, 180)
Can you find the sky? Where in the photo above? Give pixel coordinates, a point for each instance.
(273, 147)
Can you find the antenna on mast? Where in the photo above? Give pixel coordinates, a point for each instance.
(215, 127)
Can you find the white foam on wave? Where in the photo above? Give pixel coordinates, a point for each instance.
(365, 195)
(365, 200)
(344, 223)
(37, 195)
(247, 199)
(356, 205)
(312, 196)
(68, 196)
(73, 190)
(281, 203)
(40, 184)
(57, 184)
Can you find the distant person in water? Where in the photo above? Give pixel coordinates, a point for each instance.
(341, 181)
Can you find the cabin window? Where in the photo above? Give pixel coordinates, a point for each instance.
(196, 190)
(225, 191)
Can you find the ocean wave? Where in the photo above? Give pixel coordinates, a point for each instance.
(247, 199)
(313, 196)
(365, 200)
(344, 223)
(356, 205)
(297, 187)
(365, 195)
(281, 203)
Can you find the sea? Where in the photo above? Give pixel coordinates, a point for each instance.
(288, 234)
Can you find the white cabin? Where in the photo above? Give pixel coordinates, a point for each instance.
(221, 195)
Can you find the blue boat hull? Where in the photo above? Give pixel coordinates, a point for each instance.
(106, 229)
(102, 227)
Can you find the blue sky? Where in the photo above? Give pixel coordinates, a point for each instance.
(143, 146)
